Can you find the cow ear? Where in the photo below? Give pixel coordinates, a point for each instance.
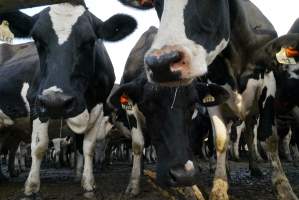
(211, 94)
(116, 28)
(139, 4)
(19, 23)
(125, 93)
(283, 50)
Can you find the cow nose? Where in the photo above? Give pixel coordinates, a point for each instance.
(56, 100)
(183, 175)
(158, 62)
(171, 63)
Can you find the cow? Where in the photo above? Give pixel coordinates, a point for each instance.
(74, 76)
(163, 114)
(231, 43)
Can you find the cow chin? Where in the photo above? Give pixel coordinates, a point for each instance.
(79, 123)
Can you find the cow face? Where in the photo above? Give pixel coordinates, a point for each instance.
(191, 34)
(168, 114)
(66, 39)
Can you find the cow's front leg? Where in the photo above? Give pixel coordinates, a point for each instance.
(89, 143)
(249, 133)
(267, 132)
(220, 184)
(39, 146)
(134, 116)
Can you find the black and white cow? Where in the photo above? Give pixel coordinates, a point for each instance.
(74, 77)
(190, 42)
(164, 114)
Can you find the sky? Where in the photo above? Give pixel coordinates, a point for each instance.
(282, 14)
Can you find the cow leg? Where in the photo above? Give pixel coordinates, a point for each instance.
(267, 132)
(294, 145)
(236, 144)
(3, 178)
(286, 146)
(39, 146)
(249, 134)
(255, 143)
(137, 147)
(11, 160)
(89, 143)
(220, 184)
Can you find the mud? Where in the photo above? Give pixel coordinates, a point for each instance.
(58, 184)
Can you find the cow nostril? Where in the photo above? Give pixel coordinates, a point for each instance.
(163, 61)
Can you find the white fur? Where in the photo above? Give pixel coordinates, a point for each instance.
(80, 123)
(270, 84)
(195, 113)
(51, 89)
(64, 17)
(89, 142)
(5, 120)
(24, 92)
(189, 165)
(39, 145)
(172, 32)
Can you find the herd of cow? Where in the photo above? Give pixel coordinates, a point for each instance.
(211, 71)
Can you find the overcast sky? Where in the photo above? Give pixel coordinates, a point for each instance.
(281, 13)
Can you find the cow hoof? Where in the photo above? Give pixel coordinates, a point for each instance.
(256, 172)
(132, 191)
(89, 195)
(34, 196)
(219, 191)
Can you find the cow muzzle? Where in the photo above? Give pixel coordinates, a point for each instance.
(168, 64)
(183, 175)
(56, 104)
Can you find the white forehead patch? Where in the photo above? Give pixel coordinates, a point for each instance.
(63, 17)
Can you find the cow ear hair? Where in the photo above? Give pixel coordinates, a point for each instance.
(211, 94)
(116, 27)
(20, 24)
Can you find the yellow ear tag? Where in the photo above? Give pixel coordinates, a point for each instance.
(282, 57)
(5, 34)
(208, 99)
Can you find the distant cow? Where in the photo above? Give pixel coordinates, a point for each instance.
(74, 76)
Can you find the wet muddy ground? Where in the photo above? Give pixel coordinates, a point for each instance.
(58, 184)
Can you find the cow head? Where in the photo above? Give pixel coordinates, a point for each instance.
(66, 39)
(191, 34)
(168, 114)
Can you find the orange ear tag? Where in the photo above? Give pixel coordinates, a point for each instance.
(283, 58)
(124, 101)
(291, 52)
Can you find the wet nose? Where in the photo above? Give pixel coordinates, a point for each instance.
(183, 175)
(169, 63)
(57, 100)
(161, 61)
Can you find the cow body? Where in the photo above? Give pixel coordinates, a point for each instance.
(162, 114)
(75, 76)
(246, 48)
